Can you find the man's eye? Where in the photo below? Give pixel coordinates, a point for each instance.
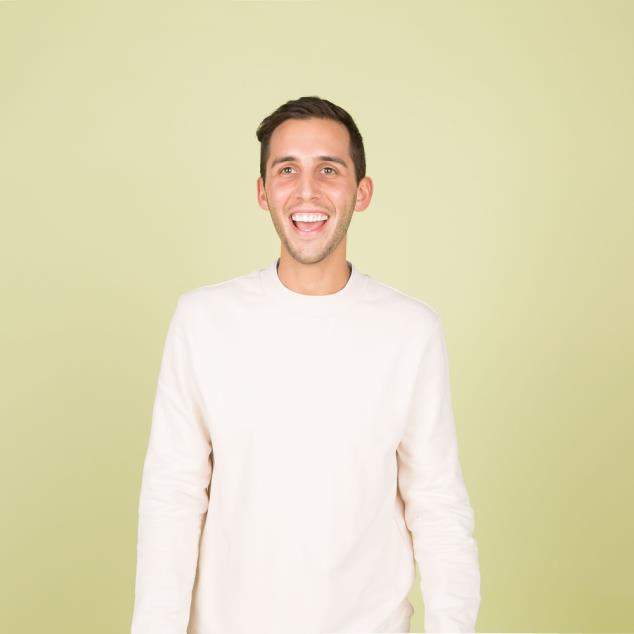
(285, 168)
(332, 170)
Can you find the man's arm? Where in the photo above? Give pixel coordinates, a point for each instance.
(174, 497)
(437, 507)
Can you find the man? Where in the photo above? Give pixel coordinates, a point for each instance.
(302, 452)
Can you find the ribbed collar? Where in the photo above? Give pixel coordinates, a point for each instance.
(313, 304)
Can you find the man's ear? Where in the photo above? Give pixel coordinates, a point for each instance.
(262, 201)
(364, 193)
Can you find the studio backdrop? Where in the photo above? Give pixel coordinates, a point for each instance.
(499, 136)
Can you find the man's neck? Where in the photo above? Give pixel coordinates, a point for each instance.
(321, 278)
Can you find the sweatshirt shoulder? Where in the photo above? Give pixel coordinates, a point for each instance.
(237, 293)
(408, 309)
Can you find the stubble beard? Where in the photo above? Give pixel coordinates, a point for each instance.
(342, 219)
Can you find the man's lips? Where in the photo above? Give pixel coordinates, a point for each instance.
(308, 211)
(309, 229)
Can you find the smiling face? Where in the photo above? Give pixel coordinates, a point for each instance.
(309, 170)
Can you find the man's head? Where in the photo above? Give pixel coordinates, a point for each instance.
(312, 160)
(306, 108)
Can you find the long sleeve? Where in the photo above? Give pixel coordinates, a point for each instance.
(174, 493)
(437, 507)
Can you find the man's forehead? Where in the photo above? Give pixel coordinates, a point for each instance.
(311, 131)
(312, 138)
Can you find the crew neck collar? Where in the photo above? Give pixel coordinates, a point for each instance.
(315, 304)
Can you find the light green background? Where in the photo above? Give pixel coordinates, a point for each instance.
(500, 139)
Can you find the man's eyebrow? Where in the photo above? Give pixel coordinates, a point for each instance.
(332, 159)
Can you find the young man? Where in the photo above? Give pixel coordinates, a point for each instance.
(302, 452)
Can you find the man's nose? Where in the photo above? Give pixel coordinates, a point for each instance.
(307, 187)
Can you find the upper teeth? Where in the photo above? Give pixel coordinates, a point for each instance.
(309, 217)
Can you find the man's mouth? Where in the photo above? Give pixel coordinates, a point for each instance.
(309, 226)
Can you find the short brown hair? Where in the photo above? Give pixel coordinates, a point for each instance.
(307, 108)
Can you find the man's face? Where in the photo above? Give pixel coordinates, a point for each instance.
(309, 169)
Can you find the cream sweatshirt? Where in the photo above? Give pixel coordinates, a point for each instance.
(302, 455)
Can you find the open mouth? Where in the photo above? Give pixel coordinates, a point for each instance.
(309, 228)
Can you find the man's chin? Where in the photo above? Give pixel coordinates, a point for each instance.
(309, 256)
